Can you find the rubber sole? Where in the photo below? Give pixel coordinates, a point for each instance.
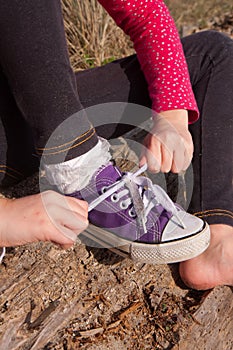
(162, 253)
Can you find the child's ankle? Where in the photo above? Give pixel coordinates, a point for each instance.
(75, 174)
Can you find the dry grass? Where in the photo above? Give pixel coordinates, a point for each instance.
(93, 38)
(199, 12)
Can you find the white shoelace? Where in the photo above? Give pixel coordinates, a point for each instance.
(134, 186)
(2, 254)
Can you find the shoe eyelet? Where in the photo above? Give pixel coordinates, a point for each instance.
(123, 205)
(103, 189)
(114, 198)
(132, 213)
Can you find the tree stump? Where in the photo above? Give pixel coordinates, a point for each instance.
(90, 298)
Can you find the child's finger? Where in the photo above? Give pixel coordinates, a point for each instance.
(166, 162)
(152, 155)
(73, 221)
(178, 160)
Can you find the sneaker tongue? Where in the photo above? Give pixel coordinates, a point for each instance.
(109, 172)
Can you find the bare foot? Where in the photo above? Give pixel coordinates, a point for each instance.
(214, 267)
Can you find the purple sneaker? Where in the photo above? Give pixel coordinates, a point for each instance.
(135, 218)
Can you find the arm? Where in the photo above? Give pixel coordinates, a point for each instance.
(159, 50)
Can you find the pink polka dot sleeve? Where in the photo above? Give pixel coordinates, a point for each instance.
(159, 51)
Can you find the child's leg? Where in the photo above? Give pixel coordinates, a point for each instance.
(17, 156)
(212, 197)
(120, 81)
(209, 56)
(34, 58)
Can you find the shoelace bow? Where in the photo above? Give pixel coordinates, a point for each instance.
(133, 183)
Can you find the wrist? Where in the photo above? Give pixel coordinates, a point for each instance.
(175, 116)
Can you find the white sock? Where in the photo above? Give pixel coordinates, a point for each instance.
(75, 174)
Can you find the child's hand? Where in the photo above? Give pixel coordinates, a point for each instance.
(47, 216)
(169, 146)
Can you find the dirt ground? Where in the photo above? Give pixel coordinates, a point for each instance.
(89, 299)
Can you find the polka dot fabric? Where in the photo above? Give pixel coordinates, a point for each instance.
(159, 50)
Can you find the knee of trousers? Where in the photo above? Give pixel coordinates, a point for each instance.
(217, 44)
